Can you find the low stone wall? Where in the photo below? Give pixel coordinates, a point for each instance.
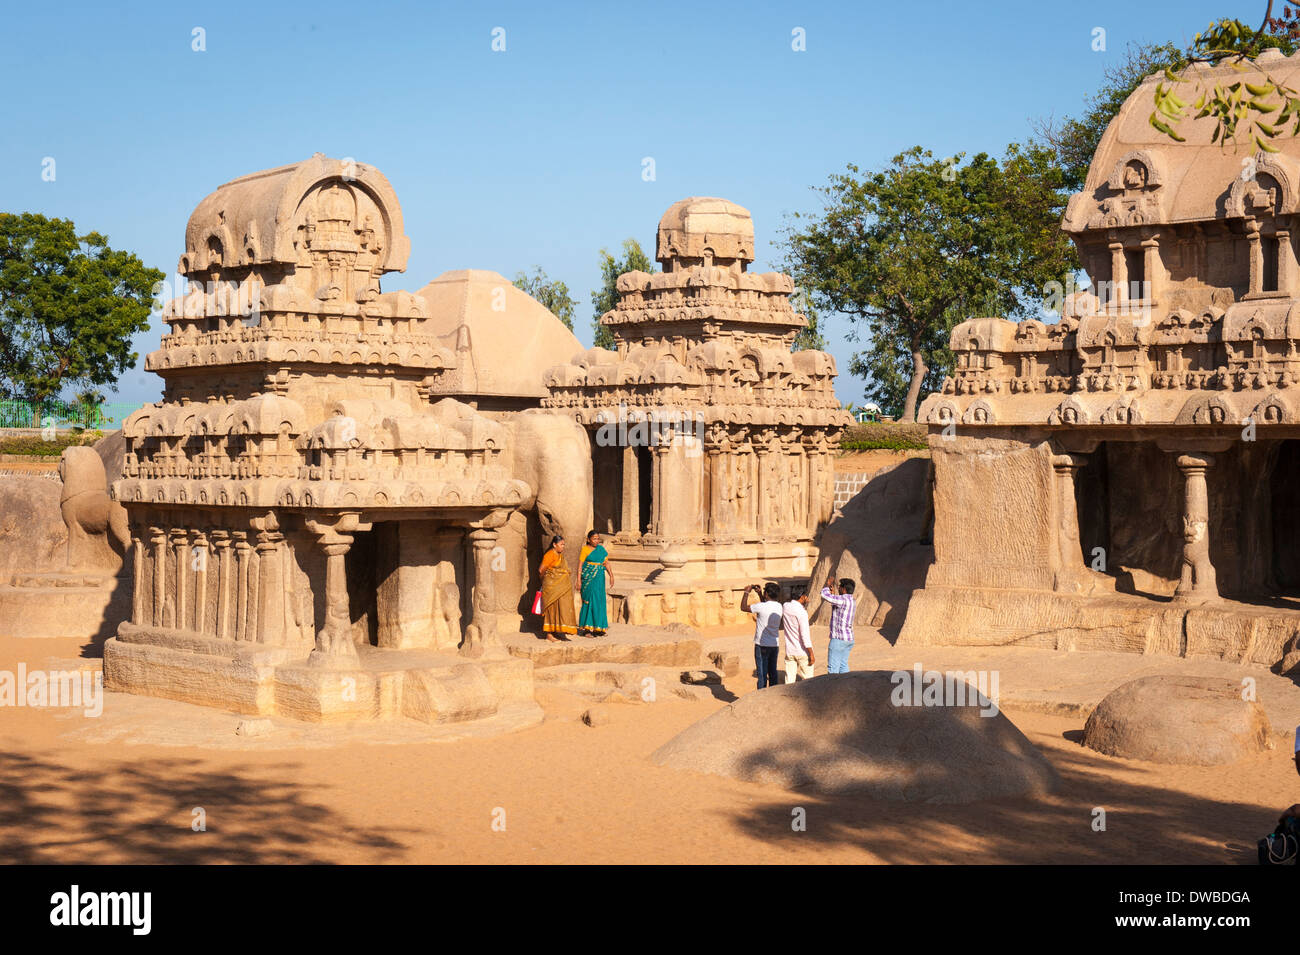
(848, 485)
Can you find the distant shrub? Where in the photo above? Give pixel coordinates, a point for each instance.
(885, 436)
(34, 446)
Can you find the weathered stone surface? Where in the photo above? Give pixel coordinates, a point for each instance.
(727, 663)
(842, 733)
(701, 677)
(1195, 721)
(32, 533)
(1145, 446)
(334, 469)
(254, 728)
(878, 540)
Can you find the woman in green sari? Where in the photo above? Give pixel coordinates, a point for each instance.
(593, 565)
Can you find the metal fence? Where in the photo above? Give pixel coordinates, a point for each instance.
(63, 414)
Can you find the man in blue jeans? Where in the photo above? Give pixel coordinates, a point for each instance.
(767, 629)
(842, 610)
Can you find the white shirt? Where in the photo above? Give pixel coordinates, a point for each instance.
(767, 623)
(794, 624)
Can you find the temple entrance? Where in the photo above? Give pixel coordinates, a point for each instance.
(360, 564)
(1284, 478)
(607, 487)
(1129, 499)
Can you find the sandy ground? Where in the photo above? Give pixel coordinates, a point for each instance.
(74, 789)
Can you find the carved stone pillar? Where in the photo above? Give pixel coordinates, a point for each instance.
(200, 563)
(813, 503)
(1285, 262)
(761, 481)
(138, 581)
(221, 548)
(1118, 276)
(1197, 583)
(1152, 271)
(630, 526)
(270, 582)
(180, 540)
(481, 636)
(243, 557)
(1256, 255)
(158, 537)
(658, 457)
(1069, 576)
(714, 523)
(334, 646)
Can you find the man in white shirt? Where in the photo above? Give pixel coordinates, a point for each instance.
(767, 629)
(799, 658)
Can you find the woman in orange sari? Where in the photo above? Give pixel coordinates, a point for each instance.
(558, 616)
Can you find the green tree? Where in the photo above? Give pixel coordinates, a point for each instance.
(908, 252)
(605, 297)
(69, 305)
(809, 338)
(553, 294)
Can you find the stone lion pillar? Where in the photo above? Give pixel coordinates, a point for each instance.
(1197, 583)
(334, 646)
(481, 636)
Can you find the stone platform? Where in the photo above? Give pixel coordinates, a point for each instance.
(671, 658)
(706, 602)
(80, 605)
(257, 679)
(1263, 634)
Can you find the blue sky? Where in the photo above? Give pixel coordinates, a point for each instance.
(531, 156)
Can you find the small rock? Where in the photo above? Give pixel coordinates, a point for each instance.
(1184, 720)
(597, 715)
(699, 677)
(254, 727)
(727, 663)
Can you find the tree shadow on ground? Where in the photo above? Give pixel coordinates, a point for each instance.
(142, 813)
(1145, 823)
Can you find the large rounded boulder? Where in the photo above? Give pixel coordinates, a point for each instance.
(848, 732)
(1185, 720)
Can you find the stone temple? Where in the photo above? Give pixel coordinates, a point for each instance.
(338, 508)
(1125, 478)
(713, 443)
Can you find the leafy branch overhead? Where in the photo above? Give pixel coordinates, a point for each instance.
(1263, 110)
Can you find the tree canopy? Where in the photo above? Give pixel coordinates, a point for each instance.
(69, 305)
(907, 252)
(554, 294)
(604, 297)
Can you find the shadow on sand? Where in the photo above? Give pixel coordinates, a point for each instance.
(142, 813)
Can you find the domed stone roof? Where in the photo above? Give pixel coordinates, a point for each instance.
(258, 219)
(505, 339)
(693, 227)
(1191, 181)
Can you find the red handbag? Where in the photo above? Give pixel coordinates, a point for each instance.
(537, 603)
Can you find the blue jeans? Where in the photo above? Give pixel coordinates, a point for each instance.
(765, 664)
(837, 658)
